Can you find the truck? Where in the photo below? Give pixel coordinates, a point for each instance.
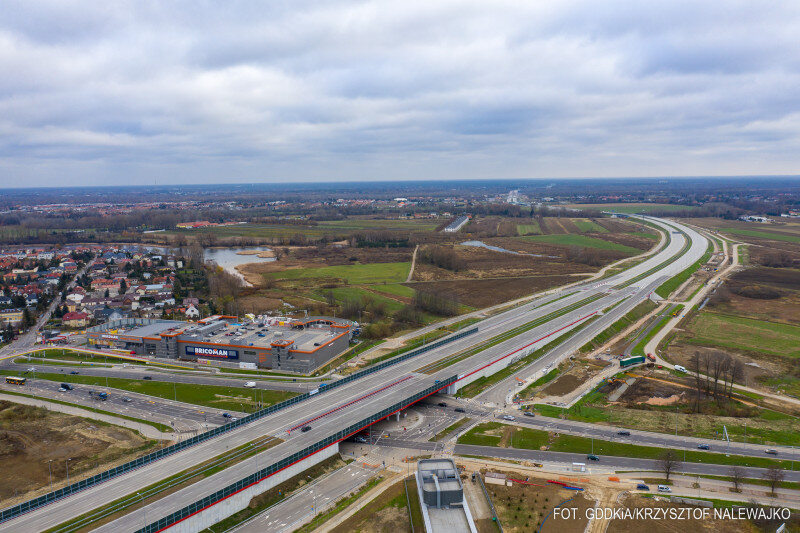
(680, 368)
(630, 361)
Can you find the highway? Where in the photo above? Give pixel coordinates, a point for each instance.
(384, 388)
(183, 417)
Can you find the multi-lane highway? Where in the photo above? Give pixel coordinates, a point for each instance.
(327, 413)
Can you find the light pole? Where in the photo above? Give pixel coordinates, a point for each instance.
(144, 511)
(50, 471)
(67, 463)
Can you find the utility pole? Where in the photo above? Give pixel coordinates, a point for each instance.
(50, 471)
(67, 463)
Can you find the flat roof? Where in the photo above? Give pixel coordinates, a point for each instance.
(445, 471)
(153, 330)
(304, 340)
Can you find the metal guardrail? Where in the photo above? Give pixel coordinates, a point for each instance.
(12, 512)
(491, 505)
(286, 462)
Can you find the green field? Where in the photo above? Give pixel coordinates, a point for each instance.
(396, 289)
(529, 229)
(372, 224)
(634, 207)
(357, 274)
(534, 439)
(582, 241)
(773, 235)
(348, 293)
(589, 226)
(713, 329)
(232, 398)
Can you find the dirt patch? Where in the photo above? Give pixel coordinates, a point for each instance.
(32, 437)
(672, 526)
(387, 512)
(579, 373)
(675, 398)
(523, 508)
(480, 293)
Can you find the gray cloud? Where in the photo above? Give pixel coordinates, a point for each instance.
(253, 91)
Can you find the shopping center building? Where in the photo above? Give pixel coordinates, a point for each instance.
(287, 344)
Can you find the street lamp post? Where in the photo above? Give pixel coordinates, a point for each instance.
(67, 463)
(50, 471)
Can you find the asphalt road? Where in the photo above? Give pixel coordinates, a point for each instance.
(341, 399)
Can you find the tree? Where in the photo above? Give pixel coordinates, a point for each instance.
(737, 475)
(774, 475)
(668, 463)
(123, 286)
(27, 319)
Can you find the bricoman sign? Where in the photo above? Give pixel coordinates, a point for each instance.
(204, 351)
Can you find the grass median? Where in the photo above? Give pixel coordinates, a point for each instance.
(230, 398)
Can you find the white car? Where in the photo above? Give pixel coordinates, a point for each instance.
(508, 417)
(250, 384)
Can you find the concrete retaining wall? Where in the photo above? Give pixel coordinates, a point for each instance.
(210, 516)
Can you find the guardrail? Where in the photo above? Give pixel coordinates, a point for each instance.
(286, 462)
(24, 507)
(495, 518)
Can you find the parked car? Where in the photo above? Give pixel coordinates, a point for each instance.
(592, 457)
(359, 438)
(442, 404)
(226, 415)
(703, 447)
(642, 486)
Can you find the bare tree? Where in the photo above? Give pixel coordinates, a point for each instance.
(737, 475)
(774, 476)
(668, 463)
(698, 380)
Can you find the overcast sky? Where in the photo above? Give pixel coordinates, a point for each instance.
(167, 91)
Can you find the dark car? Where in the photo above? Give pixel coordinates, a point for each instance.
(624, 433)
(74, 372)
(147, 378)
(592, 457)
(67, 386)
(703, 447)
(642, 486)
(226, 415)
(459, 410)
(306, 428)
(442, 404)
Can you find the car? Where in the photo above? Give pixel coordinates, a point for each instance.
(74, 372)
(508, 417)
(306, 428)
(703, 447)
(771, 451)
(226, 415)
(359, 438)
(250, 384)
(62, 389)
(66, 386)
(592, 457)
(642, 486)
(664, 488)
(529, 413)
(126, 399)
(234, 419)
(147, 378)
(459, 410)
(624, 433)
